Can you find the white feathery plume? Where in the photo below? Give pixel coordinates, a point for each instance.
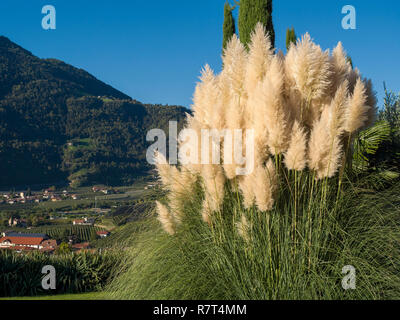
(296, 155)
(309, 77)
(260, 56)
(213, 181)
(337, 110)
(183, 180)
(341, 68)
(275, 113)
(205, 97)
(265, 185)
(235, 65)
(166, 219)
(357, 111)
(163, 169)
(309, 68)
(325, 149)
(243, 227)
(246, 186)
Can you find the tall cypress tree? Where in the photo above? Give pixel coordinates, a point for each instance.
(290, 37)
(251, 12)
(228, 27)
(349, 60)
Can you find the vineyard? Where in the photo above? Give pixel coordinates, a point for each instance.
(20, 275)
(84, 233)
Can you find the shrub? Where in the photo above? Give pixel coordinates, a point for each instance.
(286, 230)
(305, 110)
(20, 274)
(259, 257)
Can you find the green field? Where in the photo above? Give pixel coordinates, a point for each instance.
(78, 296)
(83, 232)
(86, 199)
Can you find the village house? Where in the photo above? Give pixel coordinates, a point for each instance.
(49, 245)
(80, 246)
(23, 198)
(26, 241)
(104, 190)
(55, 198)
(96, 189)
(84, 222)
(14, 222)
(103, 234)
(78, 222)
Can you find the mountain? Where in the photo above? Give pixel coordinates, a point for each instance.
(20, 67)
(58, 122)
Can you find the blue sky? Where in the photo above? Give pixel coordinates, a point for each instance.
(154, 50)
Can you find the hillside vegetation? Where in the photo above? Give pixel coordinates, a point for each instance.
(69, 124)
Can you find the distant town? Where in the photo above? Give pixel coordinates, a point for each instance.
(48, 195)
(56, 218)
(21, 242)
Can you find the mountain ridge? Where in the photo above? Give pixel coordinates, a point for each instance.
(58, 122)
(49, 69)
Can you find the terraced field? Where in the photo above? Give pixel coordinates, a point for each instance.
(83, 232)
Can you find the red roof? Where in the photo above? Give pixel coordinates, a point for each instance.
(23, 240)
(83, 245)
(49, 243)
(46, 249)
(21, 248)
(102, 232)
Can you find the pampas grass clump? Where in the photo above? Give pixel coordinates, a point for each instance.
(286, 229)
(304, 108)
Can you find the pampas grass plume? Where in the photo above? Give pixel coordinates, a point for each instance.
(296, 155)
(165, 217)
(357, 111)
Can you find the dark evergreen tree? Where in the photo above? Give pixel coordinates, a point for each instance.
(251, 12)
(228, 28)
(349, 60)
(290, 37)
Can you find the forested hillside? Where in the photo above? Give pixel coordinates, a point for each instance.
(58, 122)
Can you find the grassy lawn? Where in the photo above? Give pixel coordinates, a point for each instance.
(78, 296)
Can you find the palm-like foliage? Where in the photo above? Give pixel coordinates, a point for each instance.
(20, 274)
(367, 143)
(377, 148)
